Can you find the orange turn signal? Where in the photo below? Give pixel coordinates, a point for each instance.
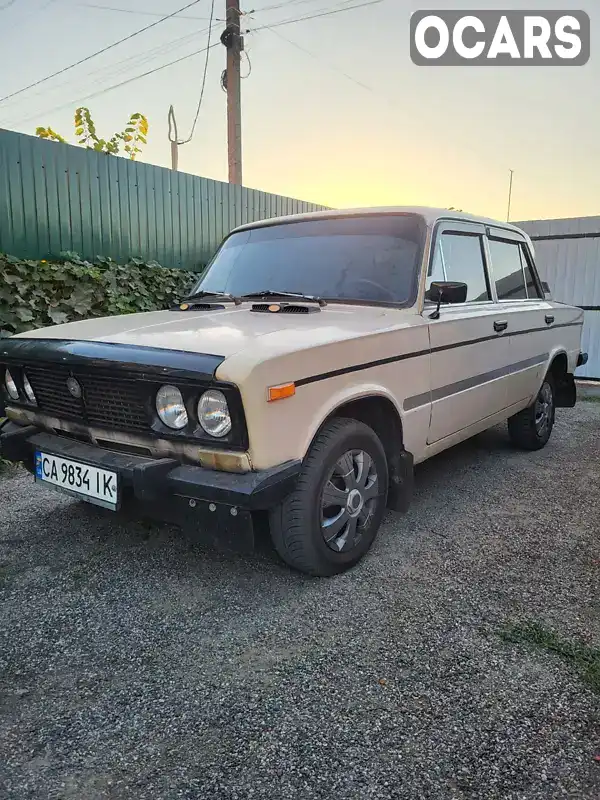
(281, 392)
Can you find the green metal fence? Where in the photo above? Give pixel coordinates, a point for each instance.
(56, 197)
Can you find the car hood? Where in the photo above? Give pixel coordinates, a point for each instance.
(229, 331)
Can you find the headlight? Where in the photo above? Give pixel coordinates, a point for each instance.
(171, 408)
(29, 391)
(213, 413)
(11, 386)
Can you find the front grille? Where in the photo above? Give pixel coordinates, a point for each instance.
(50, 388)
(120, 401)
(106, 401)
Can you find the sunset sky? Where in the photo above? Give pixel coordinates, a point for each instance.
(407, 136)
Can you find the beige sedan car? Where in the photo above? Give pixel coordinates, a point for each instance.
(317, 360)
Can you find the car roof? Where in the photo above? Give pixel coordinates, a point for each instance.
(430, 215)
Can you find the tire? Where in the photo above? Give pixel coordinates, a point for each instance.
(357, 486)
(531, 428)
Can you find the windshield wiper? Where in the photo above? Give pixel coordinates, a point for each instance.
(217, 295)
(296, 295)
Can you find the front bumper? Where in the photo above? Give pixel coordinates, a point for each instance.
(218, 505)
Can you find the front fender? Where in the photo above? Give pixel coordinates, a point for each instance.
(341, 398)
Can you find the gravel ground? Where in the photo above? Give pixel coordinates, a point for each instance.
(135, 665)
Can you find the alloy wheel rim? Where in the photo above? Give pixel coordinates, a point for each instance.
(543, 409)
(348, 500)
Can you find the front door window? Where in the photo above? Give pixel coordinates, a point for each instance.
(459, 257)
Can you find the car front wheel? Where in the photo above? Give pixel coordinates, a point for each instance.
(328, 523)
(530, 429)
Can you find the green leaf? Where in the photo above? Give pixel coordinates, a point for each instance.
(34, 294)
(58, 317)
(24, 314)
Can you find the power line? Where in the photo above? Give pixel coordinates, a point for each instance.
(181, 16)
(99, 52)
(123, 65)
(189, 139)
(138, 13)
(315, 16)
(247, 54)
(291, 2)
(139, 59)
(118, 85)
(319, 58)
(24, 18)
(181, 40)
(40, 9)
(282, 5)
(183, 58)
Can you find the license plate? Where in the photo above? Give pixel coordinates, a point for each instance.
(98, 486)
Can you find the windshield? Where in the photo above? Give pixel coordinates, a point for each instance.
(373, 258)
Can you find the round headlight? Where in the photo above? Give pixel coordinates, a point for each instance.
(29, 391)
(171, 408)
(11, 386)
(213, 413)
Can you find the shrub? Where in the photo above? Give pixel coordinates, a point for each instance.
(35, 294)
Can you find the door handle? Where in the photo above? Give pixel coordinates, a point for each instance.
(500, 325)
(549, 319)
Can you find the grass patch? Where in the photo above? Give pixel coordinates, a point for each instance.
(590, 398)
(584, 658)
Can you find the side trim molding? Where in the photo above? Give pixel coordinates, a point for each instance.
(323, 376)
(450, 389)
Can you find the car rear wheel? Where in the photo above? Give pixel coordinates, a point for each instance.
(531, 428)
(328, 523)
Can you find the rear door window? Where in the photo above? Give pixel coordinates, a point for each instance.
(507, 269)
(532, 287)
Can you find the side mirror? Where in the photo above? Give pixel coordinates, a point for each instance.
(445, 292)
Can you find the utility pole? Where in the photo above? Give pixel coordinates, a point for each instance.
(174, 139)
(509, 194)
(233, 41)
